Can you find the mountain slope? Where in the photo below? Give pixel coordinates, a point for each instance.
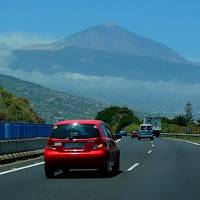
(113, 38)
(52, 105)
(104, 63)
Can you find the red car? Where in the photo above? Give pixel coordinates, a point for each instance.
(81, 144)
(134, 134)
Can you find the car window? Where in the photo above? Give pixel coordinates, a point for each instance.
(109, 132)
(149, 128)
(75, 131)
(106, 131)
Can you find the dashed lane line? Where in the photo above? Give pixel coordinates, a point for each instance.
(149, 151)
(132, 167)
(118, 140)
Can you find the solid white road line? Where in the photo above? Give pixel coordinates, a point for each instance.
(118, 140)
(20, 168)
(185, 141)
(132, 167)
(149, 151)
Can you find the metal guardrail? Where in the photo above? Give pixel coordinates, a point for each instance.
(180, 134)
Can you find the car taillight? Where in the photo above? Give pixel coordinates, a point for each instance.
(53, 145)
(100, 145)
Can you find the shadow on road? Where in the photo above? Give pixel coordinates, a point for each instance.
(77, 174)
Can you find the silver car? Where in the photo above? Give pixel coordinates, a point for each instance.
(145, 131)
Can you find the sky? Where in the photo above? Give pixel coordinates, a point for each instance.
(174, 23)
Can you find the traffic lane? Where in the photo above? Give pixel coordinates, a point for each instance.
(171, 171)
(146, 181)
(133, 151)
(31, 183)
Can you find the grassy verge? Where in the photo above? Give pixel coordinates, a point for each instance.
(187, 138)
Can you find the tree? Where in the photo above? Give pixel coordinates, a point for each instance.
(165, 120)
(188, 112)
(180, 120)
(117, 117)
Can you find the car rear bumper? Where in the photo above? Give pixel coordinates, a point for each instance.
(76, 160)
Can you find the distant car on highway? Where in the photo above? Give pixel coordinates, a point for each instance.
(118, 135)
(81, 144)
(124, 133)
(145, 131)
(134, 134)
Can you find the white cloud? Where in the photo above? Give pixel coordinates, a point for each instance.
(19, 39)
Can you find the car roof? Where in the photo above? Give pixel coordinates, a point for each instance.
(79, 121)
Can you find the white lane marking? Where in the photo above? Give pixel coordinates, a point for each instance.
(20, 168)
(185, 141)
(151, 142)
(118, 140)
(152, 145)
(149, 151)
(132, 167)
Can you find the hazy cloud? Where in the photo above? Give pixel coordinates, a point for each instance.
(20, 39)
(146, 96)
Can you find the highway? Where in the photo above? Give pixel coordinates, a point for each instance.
(160, 170)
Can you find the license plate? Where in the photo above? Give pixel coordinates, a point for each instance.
(74, 145)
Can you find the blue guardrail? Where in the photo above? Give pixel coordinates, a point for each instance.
(24, 130)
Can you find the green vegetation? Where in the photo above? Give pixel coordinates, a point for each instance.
(132, 127)
(50, 104)
(118, 117)
(13, 109)
(181, 123)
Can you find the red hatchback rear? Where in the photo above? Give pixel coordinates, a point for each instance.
(81, 144)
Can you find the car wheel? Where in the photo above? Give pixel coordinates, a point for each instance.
(151, 138)
(49, 172)
(139, 138)
(116, 166)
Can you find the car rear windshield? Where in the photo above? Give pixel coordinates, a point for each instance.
(146, 128)
(75, 131)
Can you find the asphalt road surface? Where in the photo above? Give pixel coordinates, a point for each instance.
(160, 170)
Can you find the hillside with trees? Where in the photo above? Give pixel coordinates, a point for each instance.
(16, 109)
(50, 104)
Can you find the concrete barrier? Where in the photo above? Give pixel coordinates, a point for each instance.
(21, 145)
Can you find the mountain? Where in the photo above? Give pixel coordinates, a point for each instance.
(52, 105)
(113, 38)
(113, 65)
(108, 50)
(104, 63)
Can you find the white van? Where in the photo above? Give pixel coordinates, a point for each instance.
(145, 131)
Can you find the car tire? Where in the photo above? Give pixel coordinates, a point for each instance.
(49, 172)
(151, 138)
(139, 138)
(105, 169)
